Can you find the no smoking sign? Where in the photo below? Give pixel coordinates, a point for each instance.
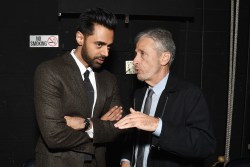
(44, 41)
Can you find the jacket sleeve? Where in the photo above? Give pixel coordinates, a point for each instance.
(187, 129)
(105, 131)
(48, 92)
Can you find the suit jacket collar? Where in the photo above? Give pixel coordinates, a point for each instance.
(171, 87)
(76, 78)
(101, 91)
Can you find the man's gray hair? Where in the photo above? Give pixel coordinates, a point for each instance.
(163, 40)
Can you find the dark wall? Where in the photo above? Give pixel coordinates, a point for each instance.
(131, 7)
(17, 64)
(202, 58)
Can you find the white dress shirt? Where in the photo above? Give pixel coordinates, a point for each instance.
(93, 82)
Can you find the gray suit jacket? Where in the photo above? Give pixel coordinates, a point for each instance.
(59, 91)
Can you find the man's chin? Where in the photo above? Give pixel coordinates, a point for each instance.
(140, 78)
(97, 66)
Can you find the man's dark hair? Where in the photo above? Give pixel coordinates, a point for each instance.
(96, 16)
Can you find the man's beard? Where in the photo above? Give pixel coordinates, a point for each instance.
(88, 60)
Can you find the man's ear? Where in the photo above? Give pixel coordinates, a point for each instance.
(165, 58)
(79, 38)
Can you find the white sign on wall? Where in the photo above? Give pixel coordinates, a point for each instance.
(44, 41)
(130, 69)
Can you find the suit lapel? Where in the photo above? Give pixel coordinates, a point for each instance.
(162, 105)
(101, 94)
(138, 98)
(74, 74)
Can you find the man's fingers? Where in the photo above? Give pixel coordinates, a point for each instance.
(113, 114)
(111, 110)
(132, 110)
(68, 119)
(135, 119)
(124, 121)
(116, 114)
(118, 117)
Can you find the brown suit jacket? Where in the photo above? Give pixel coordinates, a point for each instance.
(59, 91)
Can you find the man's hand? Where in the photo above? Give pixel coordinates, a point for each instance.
(76, 123)
(125, 164)
(138, 120)
(114, 114)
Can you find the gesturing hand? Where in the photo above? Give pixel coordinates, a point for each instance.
(138, 120)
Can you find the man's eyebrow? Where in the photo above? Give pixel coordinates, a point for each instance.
(104, 43)
(101, 42)
(139, 50)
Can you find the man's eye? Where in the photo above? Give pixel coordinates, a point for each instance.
(99, 45)
(134, 53)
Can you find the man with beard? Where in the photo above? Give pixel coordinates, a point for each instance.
(74, 124)
(174, 129)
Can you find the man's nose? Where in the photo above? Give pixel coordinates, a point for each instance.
(135, 61)
(105, 51)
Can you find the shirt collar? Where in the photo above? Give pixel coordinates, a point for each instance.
(79, 64)
(158, 88)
